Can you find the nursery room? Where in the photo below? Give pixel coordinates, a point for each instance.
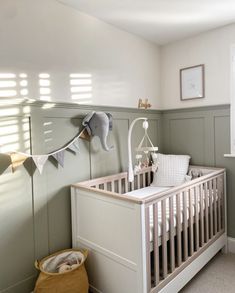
(117, 146)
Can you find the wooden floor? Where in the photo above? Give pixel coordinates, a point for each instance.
(218, 276)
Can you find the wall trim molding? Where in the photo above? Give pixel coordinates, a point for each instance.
(91, 107)
(122, 109)
(231, 245)
(196, 109)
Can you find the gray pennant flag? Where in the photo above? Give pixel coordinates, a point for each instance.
(59, 157)
(74, 147)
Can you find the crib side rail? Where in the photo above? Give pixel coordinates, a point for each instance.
(188, 221)
(118, 183)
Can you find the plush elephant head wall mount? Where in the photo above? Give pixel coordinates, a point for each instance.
(99, 124)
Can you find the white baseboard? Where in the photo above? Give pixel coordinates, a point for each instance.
(231, 245)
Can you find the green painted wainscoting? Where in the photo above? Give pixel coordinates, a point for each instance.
(35, 209)
(203, 133)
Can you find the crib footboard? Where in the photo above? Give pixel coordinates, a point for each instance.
(150, 244)
(188, 222)
(111, 229)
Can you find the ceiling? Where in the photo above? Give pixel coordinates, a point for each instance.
(160, 21)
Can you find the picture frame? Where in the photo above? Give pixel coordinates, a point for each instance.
(192, 82)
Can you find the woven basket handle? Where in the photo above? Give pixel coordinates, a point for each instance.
(36, 264)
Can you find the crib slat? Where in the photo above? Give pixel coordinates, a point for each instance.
(215, 205)
(196, 217)
(179, 247)
(206, 213)
(148, 261)
(112, 186)
(172, 240)
(156, 244)
(133, 184)
(164, 239)
(191, 222)
(211, 210)
(144, 179)
(149, 178)
(222, 202)
(120, 186)
(201, 215)
(126, 185)
(105, 186)
(138, 181)
(219, 203)
(185, 228)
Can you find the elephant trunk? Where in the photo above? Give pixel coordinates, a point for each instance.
(104, 144)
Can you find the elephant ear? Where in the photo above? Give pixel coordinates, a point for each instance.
(110, 121)
(86, 121)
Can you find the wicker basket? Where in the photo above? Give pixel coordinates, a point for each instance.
(72, 281)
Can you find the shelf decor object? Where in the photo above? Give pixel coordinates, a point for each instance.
(192, 82)
(144, 104)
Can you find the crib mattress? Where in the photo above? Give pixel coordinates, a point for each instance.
(150, 190)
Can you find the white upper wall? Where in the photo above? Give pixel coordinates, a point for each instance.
(160, 21)
(213, 50)
(47, 37)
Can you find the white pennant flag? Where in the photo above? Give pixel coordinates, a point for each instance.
(40, 162)
(74, 147)
(59, 157)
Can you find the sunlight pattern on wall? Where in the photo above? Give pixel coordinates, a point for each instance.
(10, 89)
(44, 87)
(15, 134)
(81, 88)
(14, 126)
(18, 87)
(47, 125)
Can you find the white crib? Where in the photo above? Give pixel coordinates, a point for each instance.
(144, 240)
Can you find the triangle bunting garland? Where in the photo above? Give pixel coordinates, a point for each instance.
(40, 162)
(74, 146)
(59, 156)
(18, 158)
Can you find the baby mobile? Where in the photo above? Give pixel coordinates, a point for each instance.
(143, 150)
(95, 124)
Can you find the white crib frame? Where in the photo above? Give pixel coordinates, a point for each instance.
(115, 228)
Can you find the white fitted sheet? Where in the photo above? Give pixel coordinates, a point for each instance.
(150, 190)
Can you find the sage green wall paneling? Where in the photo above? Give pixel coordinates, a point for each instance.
(187, 136)
(34, 208)
(205, 134)
(52, 189)
(222, 146)
(76, 168)
(16, 209)
(25, 286)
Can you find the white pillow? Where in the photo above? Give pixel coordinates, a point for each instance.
(171, 170)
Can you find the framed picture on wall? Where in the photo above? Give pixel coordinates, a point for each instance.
(192, 83)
